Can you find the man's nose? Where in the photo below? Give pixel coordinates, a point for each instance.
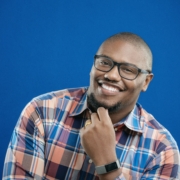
(113, 74)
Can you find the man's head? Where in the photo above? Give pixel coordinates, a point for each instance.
(115, 89)
(137, 42)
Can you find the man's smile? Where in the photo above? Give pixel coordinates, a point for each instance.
(108, 88)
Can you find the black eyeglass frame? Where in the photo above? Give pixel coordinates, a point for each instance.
(119, 64)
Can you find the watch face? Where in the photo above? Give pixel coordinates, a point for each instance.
(111, 167)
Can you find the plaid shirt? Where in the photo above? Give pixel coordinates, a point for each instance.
(46, 143)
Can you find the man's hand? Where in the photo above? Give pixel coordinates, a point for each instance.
(98, 138)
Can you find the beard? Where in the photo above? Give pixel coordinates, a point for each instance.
(94, 104)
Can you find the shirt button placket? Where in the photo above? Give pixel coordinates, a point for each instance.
(90, 161)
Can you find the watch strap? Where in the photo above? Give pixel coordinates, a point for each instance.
(108, 167)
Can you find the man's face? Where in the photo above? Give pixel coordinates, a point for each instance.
(109, 89)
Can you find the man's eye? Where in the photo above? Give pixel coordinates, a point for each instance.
(104, 63)
(127, 70)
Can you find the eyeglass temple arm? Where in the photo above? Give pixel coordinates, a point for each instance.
(145, 71)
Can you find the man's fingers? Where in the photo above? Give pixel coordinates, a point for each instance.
(94, 118)
(87, 123)
(103, 114)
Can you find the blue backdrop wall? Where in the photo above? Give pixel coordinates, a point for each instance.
(49, 45)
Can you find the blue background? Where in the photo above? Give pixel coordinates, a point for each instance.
(49, 45)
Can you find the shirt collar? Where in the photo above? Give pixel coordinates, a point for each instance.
(133, 121)
(81, 106)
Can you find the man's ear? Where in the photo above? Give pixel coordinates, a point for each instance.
(147, 81)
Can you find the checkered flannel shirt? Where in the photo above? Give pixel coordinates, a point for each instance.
(46, 143)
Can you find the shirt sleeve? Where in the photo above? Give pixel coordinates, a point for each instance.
(25, 153)
(165, 166)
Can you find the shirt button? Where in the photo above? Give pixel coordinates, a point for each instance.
(115, 129)
(90, 161)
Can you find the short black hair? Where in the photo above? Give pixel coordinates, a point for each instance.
(135, 40)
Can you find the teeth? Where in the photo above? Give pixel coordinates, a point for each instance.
(110, 88)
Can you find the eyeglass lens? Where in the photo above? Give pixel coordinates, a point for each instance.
(125, 70)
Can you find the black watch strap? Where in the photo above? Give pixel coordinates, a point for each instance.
(108, 167)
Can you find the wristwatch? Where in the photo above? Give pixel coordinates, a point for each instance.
(108, 167)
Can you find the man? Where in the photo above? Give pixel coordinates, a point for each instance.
(99, 132)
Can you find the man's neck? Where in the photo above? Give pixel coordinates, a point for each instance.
(118, 116)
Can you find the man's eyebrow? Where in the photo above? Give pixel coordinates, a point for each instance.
(103, 55)
(124, 62)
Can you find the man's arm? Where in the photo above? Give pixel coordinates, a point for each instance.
(98, 140)
(165, 165)
(25, 154)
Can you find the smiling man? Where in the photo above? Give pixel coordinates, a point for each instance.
(96, 132)
(117, 86)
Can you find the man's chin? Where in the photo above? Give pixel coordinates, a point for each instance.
(94, 104)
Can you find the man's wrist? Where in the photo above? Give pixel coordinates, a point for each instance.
(108, 167)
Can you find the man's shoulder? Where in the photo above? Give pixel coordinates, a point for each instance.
(150, 120)
(156, 129)
(71, 93)
(48, 103)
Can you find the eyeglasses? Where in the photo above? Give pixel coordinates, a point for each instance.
(126, 70)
